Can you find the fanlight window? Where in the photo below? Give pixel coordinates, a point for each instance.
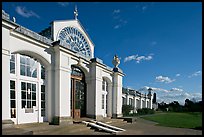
(75, 39)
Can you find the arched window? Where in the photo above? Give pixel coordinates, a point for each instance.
(104, 95)
(30, 74)
(105, 85)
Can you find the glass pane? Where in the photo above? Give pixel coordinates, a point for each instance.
(28, 86)
(22, 60)
(33, 96)
(13, 113)
(12, 67)
(106, 86)
(33, 103)
(28, 95)
(42, 104)
(42, 72)
(22, 70)
(28, 71)
(12, 58)
(77, 105)
(27, 61)
(42, 88)
(34, 73)
(42, 96)
(42, 112)
(23, 103)
(13, 104)
(12, 84)
(23, 95)
(103, 85)
(12, 94)
(102, 101)
(28, 104)
(34, 87)
(23, 86)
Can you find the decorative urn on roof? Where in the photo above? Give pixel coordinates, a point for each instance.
(116, 61)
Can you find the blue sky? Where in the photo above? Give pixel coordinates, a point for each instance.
(159, 43)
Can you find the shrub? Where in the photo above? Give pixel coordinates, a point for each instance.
(145, 111)
(55, 121)
(126, 110)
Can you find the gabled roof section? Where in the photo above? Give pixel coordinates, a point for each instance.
(85, 32)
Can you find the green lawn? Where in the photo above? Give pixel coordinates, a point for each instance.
(179, 120)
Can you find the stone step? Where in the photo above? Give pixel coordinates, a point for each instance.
(7, 124)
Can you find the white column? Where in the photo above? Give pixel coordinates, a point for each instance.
(141, 102)
(94, 92)
(18, 88)
(127, 99)
(150, 101)
(50, 94)
(62, 83)
(117, 94)
(145, 101)
(90, 107)
(135, 104)
(110, 101)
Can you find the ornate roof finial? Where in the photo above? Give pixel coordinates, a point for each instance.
(75, 13)
(116, 61)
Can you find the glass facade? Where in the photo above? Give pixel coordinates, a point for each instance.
(42, 100)
(12, 64)
(12, 99)
(28, 68)
(28, 95)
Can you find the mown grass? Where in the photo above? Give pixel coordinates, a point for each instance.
(179, 120)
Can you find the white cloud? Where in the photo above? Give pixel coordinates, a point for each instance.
(63, 4)
(177, 75)
(138, 58)
(164, 79)
(145, 89)
(176, 89)
(26, 13)
(118, 19)
(116, 26)
(144, 8)
(198, 73)
(129, 58)
(116, 11)
(153, 43)
(173, 94)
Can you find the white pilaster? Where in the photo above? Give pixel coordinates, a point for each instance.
(5, 74)
(109, 111)
(5, 84)
(141, 102)
(117, 94)
(62, 84)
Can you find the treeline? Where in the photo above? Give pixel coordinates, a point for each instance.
(189, 106)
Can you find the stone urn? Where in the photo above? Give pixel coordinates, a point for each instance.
(116, 61)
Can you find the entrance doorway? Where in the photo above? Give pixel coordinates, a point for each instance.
(78, 93)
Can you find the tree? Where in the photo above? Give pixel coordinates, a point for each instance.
(175, 106)
(193, 106)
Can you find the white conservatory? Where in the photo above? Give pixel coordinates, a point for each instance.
(54, 75)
